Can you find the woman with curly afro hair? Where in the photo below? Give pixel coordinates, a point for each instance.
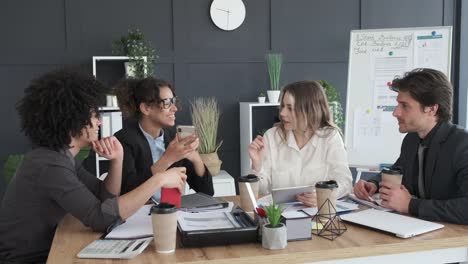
(59, 115)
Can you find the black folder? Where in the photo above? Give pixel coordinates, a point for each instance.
(245, 234)
(201, 201)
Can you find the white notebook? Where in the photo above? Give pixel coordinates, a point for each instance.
(400, 225)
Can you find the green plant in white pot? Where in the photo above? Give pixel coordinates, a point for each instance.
(274, 233)
(274, 62)
(140, 52)
(261, 97)
(333, 98)
(205, 117)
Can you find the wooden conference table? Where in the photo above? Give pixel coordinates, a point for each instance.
(356, 245)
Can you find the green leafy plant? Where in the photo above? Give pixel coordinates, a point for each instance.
(205, 117)
(334, 100)
(136, 48)
(11, 165)
(274, 61)
(273, 213)
(261, 94)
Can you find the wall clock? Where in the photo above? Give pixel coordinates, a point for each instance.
(227, 14)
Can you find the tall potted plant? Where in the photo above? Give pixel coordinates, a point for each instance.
(142, 55)
(205, 117)
(274, 62)
(274, 233)
(334, 103)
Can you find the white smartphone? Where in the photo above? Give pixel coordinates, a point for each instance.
(184, 131)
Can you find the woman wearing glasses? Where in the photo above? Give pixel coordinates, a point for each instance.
(150, 146)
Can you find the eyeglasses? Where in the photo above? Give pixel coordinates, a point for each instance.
(168, 102)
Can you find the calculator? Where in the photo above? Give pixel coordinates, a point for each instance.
(115, 248)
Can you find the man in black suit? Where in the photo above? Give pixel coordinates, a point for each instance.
(434, 153)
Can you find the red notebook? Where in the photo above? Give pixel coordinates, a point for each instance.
(170, 195)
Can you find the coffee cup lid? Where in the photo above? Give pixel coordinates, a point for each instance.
(163, 208)
(326, 184)
(248, 178)
(393, 171)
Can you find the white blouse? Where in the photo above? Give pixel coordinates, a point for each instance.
(322, 158)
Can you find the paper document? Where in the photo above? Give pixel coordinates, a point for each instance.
(207, 221)
(136, 226)
(370, 204)
(341, 207)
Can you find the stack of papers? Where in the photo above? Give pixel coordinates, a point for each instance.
(208, 221)
(138, 225)
(341, 206)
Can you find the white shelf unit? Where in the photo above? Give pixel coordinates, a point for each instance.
(223, 185)
(113, 58)
(107, 109)
(247, 115)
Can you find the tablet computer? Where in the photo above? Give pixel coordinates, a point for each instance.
(288, 195)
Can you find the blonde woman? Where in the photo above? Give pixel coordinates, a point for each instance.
(304, 147)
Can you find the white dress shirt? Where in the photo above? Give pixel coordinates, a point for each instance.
(322, 158)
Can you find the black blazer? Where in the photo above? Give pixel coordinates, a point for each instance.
(138, 160)
(445, 177)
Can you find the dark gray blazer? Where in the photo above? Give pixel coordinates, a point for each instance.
(446, 175)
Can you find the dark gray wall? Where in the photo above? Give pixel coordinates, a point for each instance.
(195, 55)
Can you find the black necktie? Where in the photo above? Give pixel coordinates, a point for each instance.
(421, 171)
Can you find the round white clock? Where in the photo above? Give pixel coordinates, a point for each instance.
(227, 14)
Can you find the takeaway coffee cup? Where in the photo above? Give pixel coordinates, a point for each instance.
(326, 190)
(393, 176)
(246, 202)
(164, 218)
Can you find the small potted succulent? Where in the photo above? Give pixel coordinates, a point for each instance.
(274, 233)
(261, 97)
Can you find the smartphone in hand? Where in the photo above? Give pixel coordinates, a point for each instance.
(184, 131)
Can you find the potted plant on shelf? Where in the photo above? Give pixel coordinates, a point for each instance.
(205, 114)
(274, 61)
(141, 54)
(274, 233)
(261, 97)
(333, 98)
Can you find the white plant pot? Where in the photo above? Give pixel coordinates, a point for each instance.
(130, 69)
(274, 238)
(273, 96)
(261, 99)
